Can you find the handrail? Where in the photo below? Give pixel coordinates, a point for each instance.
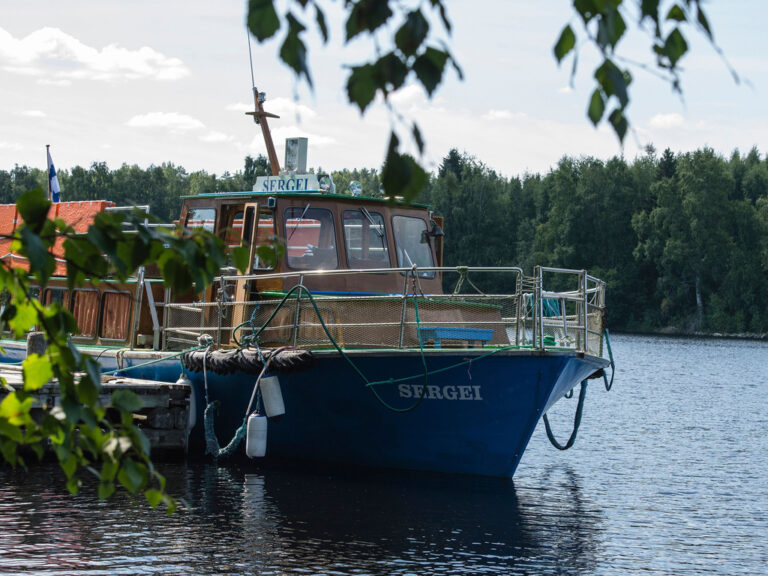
(522, 317)
(341, 272)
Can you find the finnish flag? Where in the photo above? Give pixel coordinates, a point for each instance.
(53, 181)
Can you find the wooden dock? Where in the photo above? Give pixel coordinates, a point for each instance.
(164, 416)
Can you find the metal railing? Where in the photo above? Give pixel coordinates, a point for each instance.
(476, 307)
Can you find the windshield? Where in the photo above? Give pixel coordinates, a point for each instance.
(365, 239)
(412, 244)
(310, 238)
(204, 218)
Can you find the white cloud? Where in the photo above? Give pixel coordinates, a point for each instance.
(54, 55)
(170, 120)
(240, 107)
(214, 136)
(280, 134)
(504, 115)
(10, 145)
(33, 113)
(288, 108)
(667, 121)
(565, 90)
(316, 142)
(283, 107)
(52, 82)
(411, 95)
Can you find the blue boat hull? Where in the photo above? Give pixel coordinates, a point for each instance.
(475, 418)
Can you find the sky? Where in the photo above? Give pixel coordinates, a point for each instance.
(146, 82)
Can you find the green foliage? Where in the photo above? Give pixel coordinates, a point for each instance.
(401, 172)
(368, 179)
(410, 52)
(78, 429)
(263, 21)
(605, 26)
(293, 51)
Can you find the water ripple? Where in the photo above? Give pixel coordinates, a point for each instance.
(667, 477)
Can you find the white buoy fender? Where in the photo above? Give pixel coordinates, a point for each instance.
(272, 396)
(184, 381)
(256, 437)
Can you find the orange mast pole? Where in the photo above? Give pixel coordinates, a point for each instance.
(260, 117)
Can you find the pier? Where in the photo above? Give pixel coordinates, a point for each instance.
(163, 417)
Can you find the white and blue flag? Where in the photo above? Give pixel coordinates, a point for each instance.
(53, 181)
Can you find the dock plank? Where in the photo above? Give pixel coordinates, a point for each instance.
(164, 415)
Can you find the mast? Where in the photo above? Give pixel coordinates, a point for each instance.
(260, 117)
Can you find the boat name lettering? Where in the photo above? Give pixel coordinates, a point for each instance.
(448, 392)
(304, 183)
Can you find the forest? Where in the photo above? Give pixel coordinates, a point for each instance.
(681, 239)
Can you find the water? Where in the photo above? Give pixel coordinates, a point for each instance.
(668, 476)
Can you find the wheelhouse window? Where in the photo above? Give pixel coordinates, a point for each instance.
(204, 218)
(58, 295)
(265, 232)
(85, 309)
(310, 238)
(412, 244)
(365, 239)
(116, 315)
(234, 231)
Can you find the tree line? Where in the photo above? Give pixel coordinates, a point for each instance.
(681, 239)
(160, 187)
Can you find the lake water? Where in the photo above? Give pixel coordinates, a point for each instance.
(668, 476)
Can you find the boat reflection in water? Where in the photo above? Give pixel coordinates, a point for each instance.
(324, 521)
(287, 520)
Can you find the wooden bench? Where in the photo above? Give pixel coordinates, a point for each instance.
(439, 333)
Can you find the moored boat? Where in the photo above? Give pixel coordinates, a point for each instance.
(384, 356)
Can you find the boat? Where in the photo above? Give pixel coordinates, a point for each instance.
(356, 346)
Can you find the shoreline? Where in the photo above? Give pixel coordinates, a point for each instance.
(675, 333)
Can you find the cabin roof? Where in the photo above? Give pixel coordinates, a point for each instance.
(315, 195)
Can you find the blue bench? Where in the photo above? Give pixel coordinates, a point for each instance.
(439, 333)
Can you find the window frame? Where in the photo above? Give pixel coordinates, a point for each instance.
(103, 307)
(262, 213)
(49, 289)
(366, 224)
(82, 336)
(192, 210)
(330, 235)
(427, 274)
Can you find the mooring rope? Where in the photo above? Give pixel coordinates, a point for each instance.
(576, 421)
(121, 361)
(212, 446)
(254, 338)
(609, 385)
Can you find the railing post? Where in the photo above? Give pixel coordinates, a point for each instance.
(220, 295)
(137, 305)
(563, 310)
(583, 288)
(404, 308)
(537, 329)
(298, 311)
(520, 304)
(166, 302)
(541, 308)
